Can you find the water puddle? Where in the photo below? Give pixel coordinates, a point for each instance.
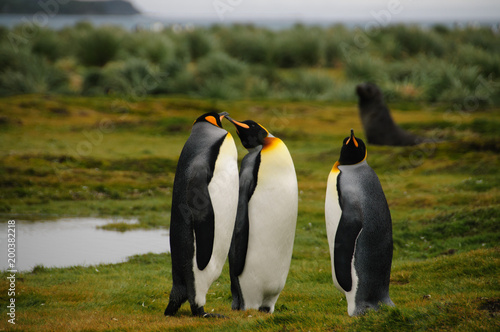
(78, 241)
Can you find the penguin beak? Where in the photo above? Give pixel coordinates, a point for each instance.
(237, 123)
(222, 115)
(353, 139)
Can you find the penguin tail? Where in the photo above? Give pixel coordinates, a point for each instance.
(177, 298)
(172, 308)
(387, 301)
(238, 302)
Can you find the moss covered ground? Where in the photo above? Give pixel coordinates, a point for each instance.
(104, 156)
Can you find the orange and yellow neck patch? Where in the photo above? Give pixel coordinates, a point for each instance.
(270, 143)
(335, 168)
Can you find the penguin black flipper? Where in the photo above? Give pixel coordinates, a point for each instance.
(202, 213)
(248, 181)
(239, 244)
(350, 226)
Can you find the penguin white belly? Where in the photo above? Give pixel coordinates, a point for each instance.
(272, 213)
(223, 190)
(351, 295)
(333, 213)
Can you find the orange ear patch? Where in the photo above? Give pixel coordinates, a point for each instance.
(354, 140)
(212, 120)
(241, 124)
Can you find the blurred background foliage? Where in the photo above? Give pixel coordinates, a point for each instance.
(457, 66)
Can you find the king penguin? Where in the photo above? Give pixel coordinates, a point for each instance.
(262, 244)
(359, 229)
(204, 204)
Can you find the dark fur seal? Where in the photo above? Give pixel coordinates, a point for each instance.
(379, 127)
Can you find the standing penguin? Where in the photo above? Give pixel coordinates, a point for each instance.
(204, 203)
(359, 229)
(261, 249)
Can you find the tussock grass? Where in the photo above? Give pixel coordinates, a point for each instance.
(455, 67)
(96, 47)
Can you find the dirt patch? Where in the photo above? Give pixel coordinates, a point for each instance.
(491, 305)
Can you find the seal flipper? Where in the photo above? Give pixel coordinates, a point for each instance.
(200, 204)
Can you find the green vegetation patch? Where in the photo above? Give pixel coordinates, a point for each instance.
(448, 233)
(443, 198)
(457, 68)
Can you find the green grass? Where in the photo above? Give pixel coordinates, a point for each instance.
(111, 156)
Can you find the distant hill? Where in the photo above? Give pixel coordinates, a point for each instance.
(72, 7)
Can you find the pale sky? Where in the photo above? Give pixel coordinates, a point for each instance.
(394, 10)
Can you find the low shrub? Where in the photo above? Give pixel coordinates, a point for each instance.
(247, 44)
(486, 61)
(365, 67)
(258, 87)
(214, 88)
(414, 40)
(23, 72)
(304, 84)
(134, 77)
(98, 46)
(155, 47)
(297, 47)
(480, 37)
(218, 66)
(333, 38)
(48, 44)
(199, 43)
(441, 64)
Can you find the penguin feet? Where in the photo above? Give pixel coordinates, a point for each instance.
(200, 312)
(265, 309)
(206, 315)
(363, 307)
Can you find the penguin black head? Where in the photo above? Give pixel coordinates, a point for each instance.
(353, 150)
(250, 132)
(212, 117)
